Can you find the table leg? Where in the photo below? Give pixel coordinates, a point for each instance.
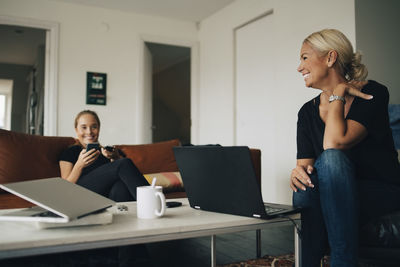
(297, 248)
(213, 251)
(258, 241)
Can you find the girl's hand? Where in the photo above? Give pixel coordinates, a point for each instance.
(87, 158)
(300, 179)
(112, 155)
(352, 88)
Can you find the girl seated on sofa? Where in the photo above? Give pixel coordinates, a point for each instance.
(104, 172)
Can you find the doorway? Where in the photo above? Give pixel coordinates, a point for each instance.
(171, 87)
(22, 58)
(51, 29)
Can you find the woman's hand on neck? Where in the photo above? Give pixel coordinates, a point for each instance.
(333, 82)
(338, 85)
(334, 79)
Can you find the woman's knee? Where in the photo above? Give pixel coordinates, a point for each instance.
(333, 157)
(123, 161)
(335, 169)
(333, 161)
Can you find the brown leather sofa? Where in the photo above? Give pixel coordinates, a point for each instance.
(27, 157)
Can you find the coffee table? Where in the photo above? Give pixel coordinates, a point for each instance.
(19, 239)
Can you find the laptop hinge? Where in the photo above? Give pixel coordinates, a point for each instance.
(257, 215)
(197, 207)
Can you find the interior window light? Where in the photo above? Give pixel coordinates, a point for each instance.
(6, 93)
(2, 111)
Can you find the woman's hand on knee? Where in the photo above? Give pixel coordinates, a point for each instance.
(300, 179)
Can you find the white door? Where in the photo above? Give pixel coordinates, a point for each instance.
(148, 89)
(257, 103)
(144, 100)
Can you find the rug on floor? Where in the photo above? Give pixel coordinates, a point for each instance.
(266, 261)
(288, 261)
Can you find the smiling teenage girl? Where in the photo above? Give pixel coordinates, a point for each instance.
(104, 172)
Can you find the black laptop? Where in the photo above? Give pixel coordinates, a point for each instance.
(222, 179)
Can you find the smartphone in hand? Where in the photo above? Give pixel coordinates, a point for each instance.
(92, 145)
(109, 148)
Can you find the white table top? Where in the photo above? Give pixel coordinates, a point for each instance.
(23, 238)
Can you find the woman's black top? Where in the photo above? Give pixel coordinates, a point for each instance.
(375, 156)
(71, 154)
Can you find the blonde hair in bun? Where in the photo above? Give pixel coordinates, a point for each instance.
(349, 63)
(358, 71)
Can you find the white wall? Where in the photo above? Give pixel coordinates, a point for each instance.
(99, 40)
(378, 38)
(293, 21)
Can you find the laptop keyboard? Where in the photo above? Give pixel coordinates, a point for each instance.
(270, 210)
(46, 214)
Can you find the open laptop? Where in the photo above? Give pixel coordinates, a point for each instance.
(222, 179)
(58, 201)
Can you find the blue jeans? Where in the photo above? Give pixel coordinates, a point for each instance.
(333, 207)
(331, 211)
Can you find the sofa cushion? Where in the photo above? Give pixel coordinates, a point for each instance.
(170, 181)
(10, 201)
(152, 158)
(26, 157)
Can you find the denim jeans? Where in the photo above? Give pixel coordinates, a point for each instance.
(332, 209)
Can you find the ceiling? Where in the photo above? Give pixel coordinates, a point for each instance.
(189, 10)
(19, 44)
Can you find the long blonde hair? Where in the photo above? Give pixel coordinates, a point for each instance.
(349, 63)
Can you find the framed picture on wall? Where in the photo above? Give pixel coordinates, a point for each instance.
(96, 88)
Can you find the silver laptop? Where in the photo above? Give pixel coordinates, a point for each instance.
(57, 200)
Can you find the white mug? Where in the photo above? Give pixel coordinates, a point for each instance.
(150, 202)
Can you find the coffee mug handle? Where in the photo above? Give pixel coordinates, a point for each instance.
(162, 199)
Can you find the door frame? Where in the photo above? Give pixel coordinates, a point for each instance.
(51, 67)
(194, 83)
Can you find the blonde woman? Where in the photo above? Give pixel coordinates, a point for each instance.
(347, 169)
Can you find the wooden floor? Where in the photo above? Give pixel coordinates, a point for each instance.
(196, 252)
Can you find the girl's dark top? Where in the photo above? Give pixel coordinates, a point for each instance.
(375, 156)
(71, 154)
